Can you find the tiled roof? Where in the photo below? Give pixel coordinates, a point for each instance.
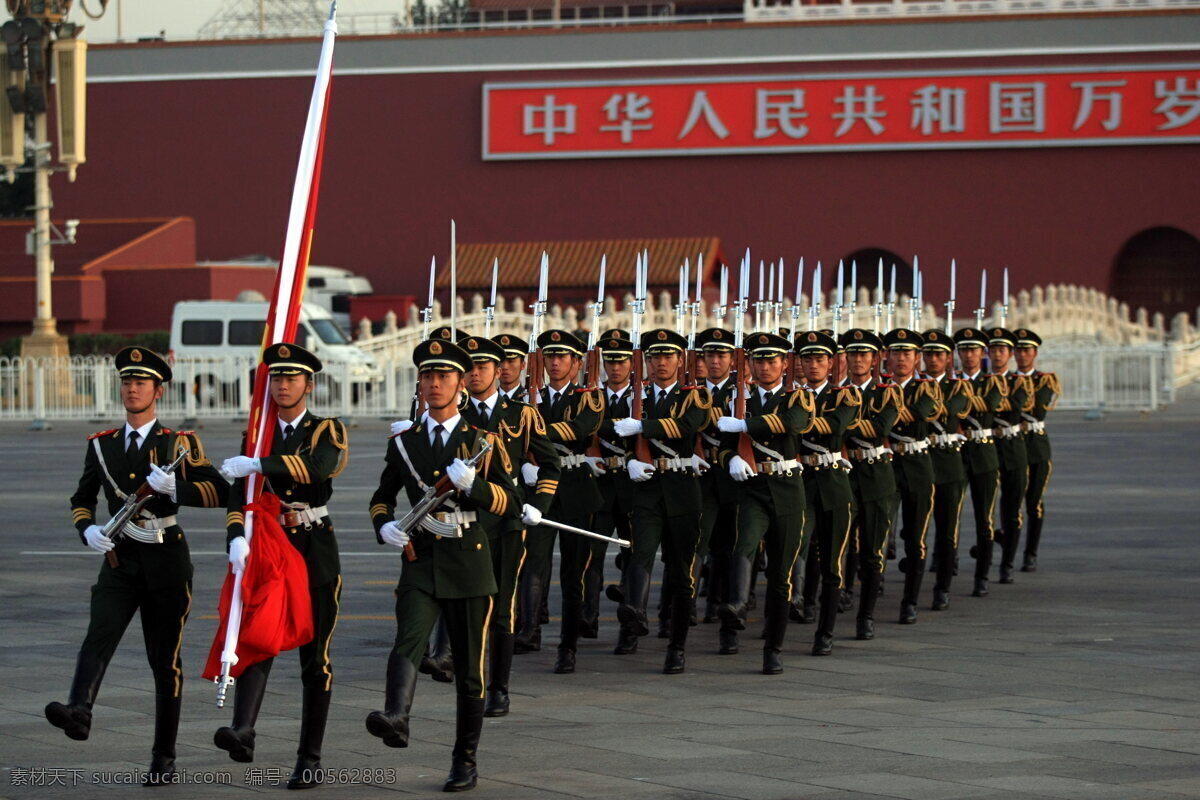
(576, 264)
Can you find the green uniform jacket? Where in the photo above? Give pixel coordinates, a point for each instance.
(197, 483)
(717, 479)
(987, 395)
(881, 404)
(1046, 391)
(523, 434)
(956, 404)
(1020, 399)
(302, 471)
(836, 413)
(778, 426)
(571, 423)
(922, 404)
(671, 427)
(447, 567)
(614, 483)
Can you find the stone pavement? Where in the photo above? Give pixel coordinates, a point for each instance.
(1078, 681)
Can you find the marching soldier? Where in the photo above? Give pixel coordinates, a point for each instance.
(616, 489)
(148, 567)
(666, 493)
(307, 453)
(719, 492)
(448, 575)
(949, 474)
(1010, 445)
(980, 457)
(771, 498)
(826, 484)
(912, 465)
(1046, 391)
(521, 430)
(873, 478)
(572, 416)
(512, 365)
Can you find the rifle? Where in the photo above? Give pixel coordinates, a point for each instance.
(741, 391)
(979, 312)
(534, 371)
(418, 402)
(641, 447)
(592, 364)
(1004, 302)
(789, 380)
(419, 516)
(681, 311)
(692, 355)
(122, 523)
(835, 375)
(490, 311)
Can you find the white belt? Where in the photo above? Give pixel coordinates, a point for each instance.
(572, 460)
(148, 530)
(1008, 430)
(1034, 427)
(456, 517)
(869, 454)
(979, 434)
(910, 448)
(295, 516)
(784, 467)
(948, 441)
(822, 460)
(672, 464)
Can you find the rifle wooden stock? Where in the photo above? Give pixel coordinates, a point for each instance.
(641, 447)
(592, 365)
(745, 448)
(443, 486)
(534, 375)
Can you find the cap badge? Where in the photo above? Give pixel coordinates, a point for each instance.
(136, 355)
(968, 332)
(555, 336)
(812, 337)
(718, 334)
(858, 335)
(613, 343)
(662, 336)
(504, 340)
(472, 344)
(901, 334)
(435, 348)
(997, 332)
(762, 340)
(283, 351)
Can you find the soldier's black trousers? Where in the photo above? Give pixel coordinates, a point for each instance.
(947, 510)
(916, 508)
(467, 621)
(508, 556)
(830, 536)
(984, 489)
(574, 551)
(164, 602)
(873, 522)
(316, 670)
(759, 521)
(1035, 494)
(678, 536)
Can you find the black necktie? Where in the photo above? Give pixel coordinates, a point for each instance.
(483, 412)
(131, 452)
(662, 395)
(438, 443)
(288, 430)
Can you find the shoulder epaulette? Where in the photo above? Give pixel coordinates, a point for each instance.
(102, 433)
(852, 398)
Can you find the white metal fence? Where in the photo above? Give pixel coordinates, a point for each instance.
(87, 387)
(772, 11)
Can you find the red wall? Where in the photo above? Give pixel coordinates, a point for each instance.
(128, 290)
(403, 158)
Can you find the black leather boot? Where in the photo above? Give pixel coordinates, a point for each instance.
(627, 642)
(313, 718)
(501, 668)
(632, 613)
(681, 607)
(529, 629)
(944, 567)
(914, 573)
(593, 579)
(823, 641)
(75, 716)
(391, 724)
(983, 564)
(564, 664)
(718, 577)
(776, 627)
(162, 754)
(1012, 538)
(727, 642)
(864, 629)
(238, 738)
(468, 724)
(733, 612)
(1032, 540)
(439, 662)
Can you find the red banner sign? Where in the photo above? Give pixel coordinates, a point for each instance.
(862, 111)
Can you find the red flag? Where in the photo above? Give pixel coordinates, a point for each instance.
(276, 609)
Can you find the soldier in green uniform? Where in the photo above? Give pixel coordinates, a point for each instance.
(306, 454)
(523, 434)
(616, 489)
(1010, 446)
(1046, 391)
(771, 498)
(573, 415)
(912, 464)
(513, 364)
(666, 492)
(949, 474)
(448, 575)
(979, 451)
(872, 478)
(826, 482)
(148, 568)
(719, 492)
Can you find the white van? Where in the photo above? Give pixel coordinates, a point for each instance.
(332, 287)
(216, 342)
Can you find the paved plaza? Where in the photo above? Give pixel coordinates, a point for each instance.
(1081, 680)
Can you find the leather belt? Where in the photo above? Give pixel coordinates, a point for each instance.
(980, 435)
(822, 460)
(785, 467)
(671, 464)
(614, 462)
(870, 454)
(296, 515)
(457, 517)
(1034, 427)
(910, 448)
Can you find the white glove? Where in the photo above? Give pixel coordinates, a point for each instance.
(699, 464)
(400, 426)
(627, 427)
(161, 481)
(240, 467)
(639, 471)
(462, 475)
(739, 470)
(393, 534)
(731, 425)
(96, 539)
(239, 548)
(530, 515)
(595, 463)
(529, 473)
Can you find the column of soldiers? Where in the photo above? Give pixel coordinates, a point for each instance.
(834, 432)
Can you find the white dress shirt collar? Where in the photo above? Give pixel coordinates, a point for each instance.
(294, 423)
(449, 425)
(142, 432)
